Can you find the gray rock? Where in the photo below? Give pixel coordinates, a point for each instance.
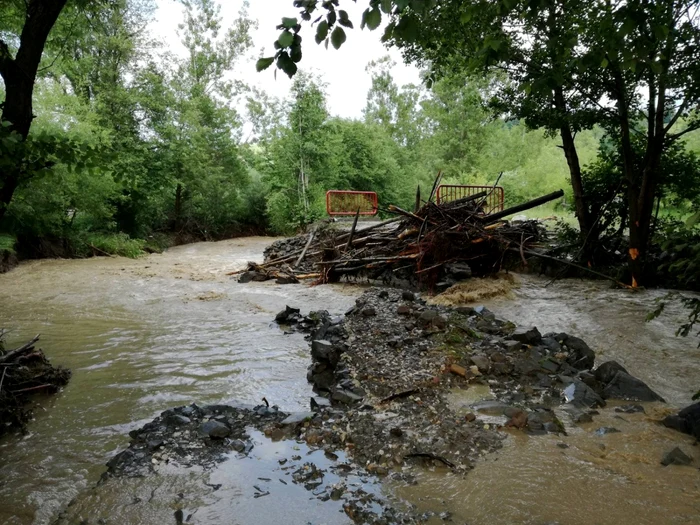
(676, 457)
(551, 344)
(319, 402)
(345, 396)
(602, 431)
(581, 356)
(528, 336)
(576, 414)
(550, 365)
(297, 417)
(605, 372)
(624, 386)
(214, 429)
(286, 315)
(177, 419)
(581, 395)
(407, 295)
(512, 346)
(369, 311)
(482, 362)
(323, 350)
(238, 445)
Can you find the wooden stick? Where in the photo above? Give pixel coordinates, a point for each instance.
(303, 252)
(352, 230)
(417, 200)
(569, 263)
(435, 185)
(367, 260)
(30, 389)
(12, 354)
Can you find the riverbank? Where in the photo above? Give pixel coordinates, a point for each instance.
(87, 245)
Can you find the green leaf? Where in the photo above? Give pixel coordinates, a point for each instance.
(286, 38)
(604, 63)
(321, 31)
(372, 18)
(338, 37)
(286, 64)
(465, 17)
(289, 23)
(386, 6)
(263, 63)
(693, 220)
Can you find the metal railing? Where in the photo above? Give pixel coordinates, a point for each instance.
(493, 202)
(342, 202)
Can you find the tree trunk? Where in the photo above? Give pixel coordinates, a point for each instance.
(178, 206)
(19, 74)
(569, 146)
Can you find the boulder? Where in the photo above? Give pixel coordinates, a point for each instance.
(528, 336)
(605, 372)
(686, 421)
(323, 350)
(287, 315)
(691, 415)
(581, 357)
(407, 295)
(580, 395)
(215, 429)
(624, 386)
(676, 457)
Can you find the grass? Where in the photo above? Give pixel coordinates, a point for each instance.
(7, 243)
(113, 244)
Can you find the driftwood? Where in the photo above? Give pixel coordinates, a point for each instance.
(426, 246)
(12, 354)
(25, 371)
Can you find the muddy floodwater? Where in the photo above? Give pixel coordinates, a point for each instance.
(166, 330)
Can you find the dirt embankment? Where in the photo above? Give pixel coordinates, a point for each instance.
(8, 260)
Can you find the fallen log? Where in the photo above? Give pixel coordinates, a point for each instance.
(488, 219)
(9, 356)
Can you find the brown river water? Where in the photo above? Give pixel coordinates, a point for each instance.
(166, 330)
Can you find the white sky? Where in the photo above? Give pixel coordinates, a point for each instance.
(342, 70)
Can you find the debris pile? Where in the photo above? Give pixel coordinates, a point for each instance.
(434, 247)
(25, 371)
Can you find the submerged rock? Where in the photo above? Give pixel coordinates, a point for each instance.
(676, 457)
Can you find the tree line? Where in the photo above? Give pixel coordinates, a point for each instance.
(109, 143)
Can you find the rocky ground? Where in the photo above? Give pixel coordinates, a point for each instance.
(386, 374)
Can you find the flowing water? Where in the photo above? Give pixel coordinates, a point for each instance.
(145, 335)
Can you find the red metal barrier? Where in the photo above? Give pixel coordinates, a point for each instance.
(494, 201)
(341, 202)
